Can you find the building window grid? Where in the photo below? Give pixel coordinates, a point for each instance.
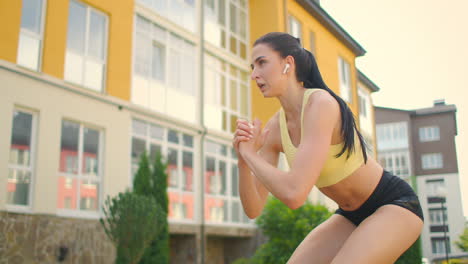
(14, 163)
(85, 55)
(149, 38)
(222, 98)
(24, 57)
(432, 161)
(431, 133)
(438, 245)
(295, 27)
(227, 156)
(162, 141)
(436, 214)
(83, 179)
(392, 136)
(168, 8)
(231, 32)
(398, 163)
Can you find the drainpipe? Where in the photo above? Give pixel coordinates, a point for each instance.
(201, 109)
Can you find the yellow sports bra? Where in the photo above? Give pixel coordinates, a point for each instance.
(334, 169)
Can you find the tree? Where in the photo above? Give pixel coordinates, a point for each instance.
(152, 182)
(131, 223)
(463, 242)
(285, 229)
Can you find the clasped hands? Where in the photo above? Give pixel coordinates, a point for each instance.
(249, 137)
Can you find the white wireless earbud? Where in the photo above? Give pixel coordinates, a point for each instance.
(286, 68)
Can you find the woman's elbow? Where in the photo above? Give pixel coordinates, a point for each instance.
(294, 201)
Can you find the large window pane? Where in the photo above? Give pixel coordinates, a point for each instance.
(187, 171)
(158, 72)
(89, 195)
(172, 167)
(97, 35)
(28, 51)
(90, 152)
(18, 186)
(31, 15)
(86, 46)
(79, 174)
(69, 147)
(76, 27)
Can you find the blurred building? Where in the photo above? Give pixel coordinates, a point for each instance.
(87, 86)
(419, 146)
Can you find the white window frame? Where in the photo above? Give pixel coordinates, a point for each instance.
(166, 13)
(432, 161)
(344, 73)
(436, 214)
(392, 136)
(226, 28)
(395, 168)
(172, 43)
(99, 179)
(433, 186)
(40, 37)
(242, 80)
(165, 145)
(86, 57)
(295, 27)
(429, 133)
(32, 165)
(440, 245)
(229, 159)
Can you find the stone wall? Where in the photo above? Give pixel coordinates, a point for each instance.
(26, 238)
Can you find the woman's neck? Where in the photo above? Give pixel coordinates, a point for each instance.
(292, 102)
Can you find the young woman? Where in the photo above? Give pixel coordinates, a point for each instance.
(379, 215)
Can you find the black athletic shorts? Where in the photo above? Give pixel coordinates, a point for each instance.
(390, 190)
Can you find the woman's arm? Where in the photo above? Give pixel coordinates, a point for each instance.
(253, 194)
(321, 114)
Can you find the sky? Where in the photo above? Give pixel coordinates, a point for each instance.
(417, 52)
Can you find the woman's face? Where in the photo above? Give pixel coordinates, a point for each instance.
(267, 70)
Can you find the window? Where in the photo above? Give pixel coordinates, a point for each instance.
(181, 12)
(160, 83)
(227, 94)
(226, 25)
(431, 133)
(362, 105)
(31, 34)
(21, 161)
(222, 200)
(432, 161)
(345, 80)
(435, 216)
(439, 244)
(80, 168)
(178, 148)
(392, 136)
(312, 47)
(396, 162)
(85, 61)
(295, 28)
(435, 188)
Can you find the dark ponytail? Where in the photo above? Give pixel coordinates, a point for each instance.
(308, 72)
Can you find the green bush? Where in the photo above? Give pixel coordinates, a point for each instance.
(131, 222)
(285, 229)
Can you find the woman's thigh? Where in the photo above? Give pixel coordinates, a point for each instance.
(323, 242)
(382, 237)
